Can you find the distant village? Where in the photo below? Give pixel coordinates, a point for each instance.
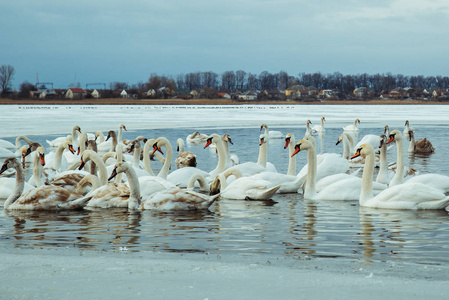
(294, 93)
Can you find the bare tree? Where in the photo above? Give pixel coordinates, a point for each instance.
(6, 75)
(240, 79)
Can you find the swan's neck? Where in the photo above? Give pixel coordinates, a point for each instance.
(136, 157)
(291, 160)
(134, 189)
(146, 156)
(355, 124)
(180, 143)
(322, 124)
(163, 173)
(21, 137)
(222, 157)
(307, 129)
(114, 142)
(18, 189)
(102, 171)
(399, 176)
(309, 188)
(263, 155)
(202, 182)
(120, 133)
(74, 137)
(411, 147)
(89, 179)
(350, 141)
(366, 191)
(383, 165)
(100, 137)
(37, 170)
(58, 157)
(345, 147)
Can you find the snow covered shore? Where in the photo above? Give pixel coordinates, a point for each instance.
(73, 274)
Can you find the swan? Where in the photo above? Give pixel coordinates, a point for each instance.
(171, 199)
(242, 188)
(309, 131)
(59, 140)
(233, 158)
(7, 144)
(196, 137)
(222, 156)
(419, 146)
(179, 177)
(90, 155)
(319, 128)
(341, 187)
(387, 130)
(327, 164)
(38, 178)
(251, 168)
(112, 140)
(5, 152)
(383, 175)
(407, 129)
(185, 158)
(20, 148)
(347, 150)
(54, 160)
(47, 197)
(271, 134)
(352, 128)
(413, 195)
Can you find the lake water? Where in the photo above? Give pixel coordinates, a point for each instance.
(286, 226)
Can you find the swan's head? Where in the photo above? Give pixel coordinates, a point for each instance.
(92, 145)
(41, 153)
(323, 119)
(308, 122)
(68, 145)
(11, 162)
(118, 168)
(156, 147)
(303, 144)
(394, 136)
(288, 139)
(85, 157)
(363, 151)
(386, 129)
(213, 138)
(406, 122)
(97, 134)
(111, 133)
(340, 139)
(227, 138)
(357, 121)
(263, 125)
(262, 139)
(122, 126)
(383, 140)
(215, 186)
(134, 145)
(77, 128)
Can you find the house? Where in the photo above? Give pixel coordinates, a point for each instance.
(95, 94)
(123, 94)
(194, 94)
(249, 95)
(75, 93)
(360, 92)
(224, 95)
(273, 94)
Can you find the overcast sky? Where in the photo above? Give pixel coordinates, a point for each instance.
(111, 40)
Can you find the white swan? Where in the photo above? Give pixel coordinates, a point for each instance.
(59, 140)
(196, 137)
(251, 168)
(337, 187)
(179, 177)
(419, 146)
(327, 164)
(352, 128)
(54, 160)
(44, 198)
(172, 199)
(242, 188)
(184, 158)
(320, 128)
(309, 131)
(233, 159)
(407, 129)
(7, 144)
(112, 140)
(401, 196)
(383, 174)
(271, 134)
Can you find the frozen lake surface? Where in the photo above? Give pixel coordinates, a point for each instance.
(287, 236)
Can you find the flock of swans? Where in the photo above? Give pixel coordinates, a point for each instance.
(110, 172)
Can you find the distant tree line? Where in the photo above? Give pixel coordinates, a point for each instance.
(210, 83)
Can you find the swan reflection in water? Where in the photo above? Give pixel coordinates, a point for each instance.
(396, 232)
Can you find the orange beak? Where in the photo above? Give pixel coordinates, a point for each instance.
(287, 142)
(209, 141)
(42, 159)
(357, 154)
(297, 149)
(391, 139)
(156, 148)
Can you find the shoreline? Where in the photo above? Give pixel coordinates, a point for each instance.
(121, 101)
